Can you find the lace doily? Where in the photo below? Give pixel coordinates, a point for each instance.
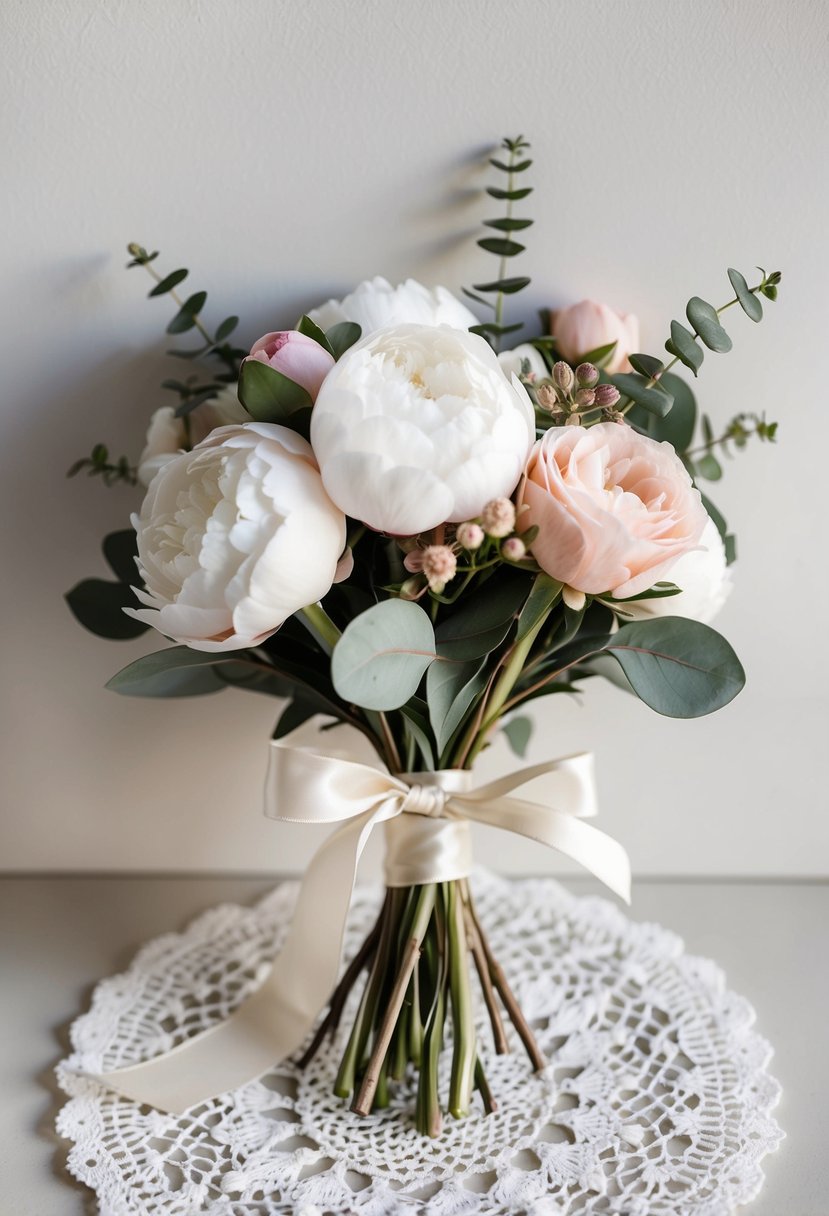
(656, 1100)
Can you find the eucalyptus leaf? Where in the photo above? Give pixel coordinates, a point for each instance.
(678, 426)
(226, 328)
(599, 354)
(267, 395)
(680, 668)
(450, 690)
(508, 224)
(171, 281)
(185, 318)
(513, 195)
(418, 727)
(749, 302)
(382, 655)
(684, 345)
(120, 550)
(176, 672)
(501, 246)
(478, 628)
(703, 317)
(294, 714)
(656, 400)
(709, 467)
(545, 593)
(507, 286)
(647, 365)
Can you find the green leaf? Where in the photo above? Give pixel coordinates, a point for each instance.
(709, 467)
(177, 672)
(185, 318)
(172, 280)
(704, 319)
(749, 302)
(514, 195)
(647, 365)
(545, 593)
(684, 345)
(489, 327)
(311, 330)
(342, 336)
(99, 606)
(518, 732)
(656, 400)
(478, 628)
(267, 395)
(226, 328)
(680, 668)
(599, 355)
(508, 224)
(382, 655)
(120, 550)
(477, 299)
(293, 716)
(450, 690)
(417, 726)
(501, 246)
(507, 286)
(678, 427)
(519, 168)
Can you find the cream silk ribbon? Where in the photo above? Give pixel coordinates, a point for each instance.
(426, 817)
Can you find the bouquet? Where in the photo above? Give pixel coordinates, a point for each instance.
(382, 517)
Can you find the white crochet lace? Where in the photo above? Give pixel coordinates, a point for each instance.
(656, 1101)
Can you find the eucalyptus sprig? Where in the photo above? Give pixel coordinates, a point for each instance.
(98, 464)
(503, 245)
(701, 460)
(191, 392)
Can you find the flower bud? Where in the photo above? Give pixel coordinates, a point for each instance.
(498, 517)
(547, 399)
(439, 565)
(563, 376)
(585, 397)
(470, 535)
(607, 394)
(513, 549)
(587, 375)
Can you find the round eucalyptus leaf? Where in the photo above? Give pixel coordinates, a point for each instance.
(382, 655)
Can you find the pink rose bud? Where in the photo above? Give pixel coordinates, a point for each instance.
(563, 376)
(587, 375)
(296, 356)
(470, 535)
(513, 549)
(585, 397)
(498, 517)
(587, 326)
(606, 395)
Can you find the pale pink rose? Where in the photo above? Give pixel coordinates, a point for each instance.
(615, 510)
(296, 356)
(585, 327)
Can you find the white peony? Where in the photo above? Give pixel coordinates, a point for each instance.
(234, 537)
(168, 435)
(705, 579)
(375, 304)
(512, 360)
(417, 425)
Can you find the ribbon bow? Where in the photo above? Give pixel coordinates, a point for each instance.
(426, 818)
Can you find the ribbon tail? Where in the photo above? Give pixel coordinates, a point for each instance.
(599, 853)
(272, 1023)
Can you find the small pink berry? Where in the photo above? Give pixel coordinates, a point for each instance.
(470, 535)
(498, 517)
(513, 549)
(439, 565)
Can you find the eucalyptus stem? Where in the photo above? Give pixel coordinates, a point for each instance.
(176, 298)
(502, 265)
(465, 1047)
(319, 624)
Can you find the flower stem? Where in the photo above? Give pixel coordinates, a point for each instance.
(319, 624)
(463, 1023)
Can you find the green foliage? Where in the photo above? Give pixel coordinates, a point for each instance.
(749, 303)
(651, 396)
(99, 604)
(311, 330)
(342, 336)
(677, 427)
(382, 655)
(267, 395)
(451, 689)
(98, 464)
(678, 667)
(503, 247)
(704, 318)
(481, 625)
(518, 732)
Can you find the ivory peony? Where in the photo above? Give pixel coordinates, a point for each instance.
(168, 435)
(615, 510)
(704, 578)
(417, 426)
(234, 537)
(375, 304)
(586, 326)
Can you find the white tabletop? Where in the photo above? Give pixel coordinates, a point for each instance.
(59, 935)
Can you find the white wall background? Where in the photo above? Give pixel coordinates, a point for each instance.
(286, 150)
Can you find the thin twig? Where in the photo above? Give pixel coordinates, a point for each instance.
(499, 1035)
